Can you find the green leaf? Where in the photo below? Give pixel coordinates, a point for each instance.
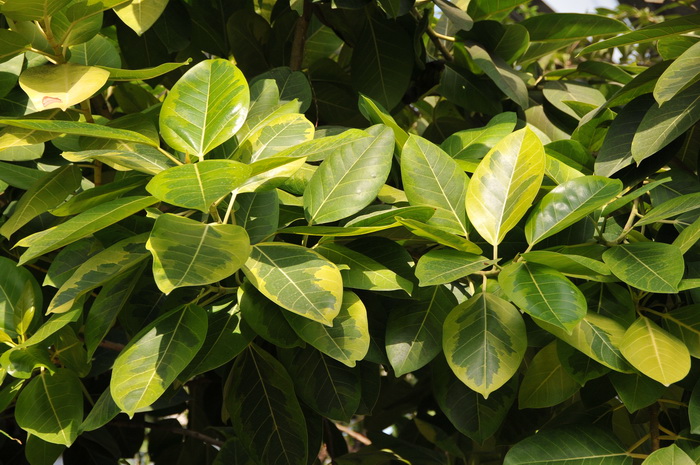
(683, 72)
(40, 452)
(636, 391)
(330, 388)
(546, 383)
(20, 298)
(205, 108)
(568, 203)
(684, 323)
(672, 207)
(414, 330)
(558, 93)
(322, 147)
(484, 341)
(382, 61)
(266, 318)
(139, 157)
(102, 412)
(504, 185)
(570, 264)
(32, 10)
(472, 415)
(189, 253)
(258, 214)
(376, 114)
(347, 340)
(388, 216)
(273, 137)
(474, 144)
(688, 237)
(649, 266)
(297, 279)
(441, 266)
(265, 413)
(55, 323)
(570, 445)
(80, 226)
(430, 177)
(80, 129)
(668, 455)
(98, 270)
(458, 17)
(155, 357)
(198, 185)
(118, 74)
(51, 407)
(140, 15)
(482, 9)
(11, 44)
(570, 26)
(69, 259)
(662, 124)
(505, 77)
(578, 365)
(438, 235)
(19, 176)
(667, 28)
(362, 272)
(655, 352)
(92, 197)
(349, 179)
(61, 86)
(269, 173)
(544, 293)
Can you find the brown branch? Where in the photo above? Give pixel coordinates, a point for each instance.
(354, 434)
(171, 429)
(297, 57)
(112, 345)
(654, 427)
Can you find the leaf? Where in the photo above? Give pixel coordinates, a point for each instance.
(155, 357)
(414, 331)
(484, 341)
(258, 214)
(102, 412)
(570, 445)
(31, 10)
(265, 413)
(688, 237)
(19, 176)
(205, 107)
(662, 124)
(654, 352)
(347, 340)
(42, 196)
(467, 410)
(636, 391)
(80, 129)
(297, 279)
(459, 18)
(546, 383)
(118, 74)
(98, 270)
(266, 318)
(568, 203)
(683, 72)
(482, 9)
(139, 158)
(140, 15)
(667, 28)
(474, 144)
(189, 253)
(11, 44)
(544, 293)
(320, 148)
(684, 323)
(504, 185)
(558, 93)
(51, 407)
(438, 235)
(578, 365)
(672, 207)
(382, 61)
(198, 185)
(570, 26)
(668, 455)
(40, 452)
(80, 226)
(269, 173)
(330, 388)
(55, 323)
(649, 266)
(349, 179)
(376, 114)
(276, 135)
(388, 216)
(505, 77)
(430, 177)
(361, 272)
(570, 264)
(441, 266)
(95, 196)
(61, 86)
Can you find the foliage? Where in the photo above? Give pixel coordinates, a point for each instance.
(348, 232)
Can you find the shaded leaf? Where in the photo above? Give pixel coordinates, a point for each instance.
(649, 266)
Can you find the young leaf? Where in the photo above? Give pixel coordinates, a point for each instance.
(189, 253)
(297, 279)
(504, 185)
(118, 74)
(654, 352)
(649, 266)
(484, 341)
(155, 357)
(205, 108)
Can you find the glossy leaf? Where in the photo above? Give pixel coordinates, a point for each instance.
(570, 264)
(273, 137)
(347, 340)
(205, 108)
(505, 184)
(414, 330)
(505, 77)
(668, 455)
(20, 298)
(474, 144)
(441, 266)
(118, 74)
(684, 323)
(484, 342)
(544, 293)
(266, 416)
(51, 407)
(83, 225)
(349, 179)
(139, 158)
(189, 253)
(655, 352)
(636, 391)
(155, 357)
(61, 86)
(568, 203)
(140, 15)
(649, 266)
(438, 235)
(546, 383)
(298, 279)
(266, 318)
(80, 129)
(432, 178)
(672, 207)
(198, 185)
(570, 26)
(677, 77)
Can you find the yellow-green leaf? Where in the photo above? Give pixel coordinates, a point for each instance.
(61, 86)
(140, 15)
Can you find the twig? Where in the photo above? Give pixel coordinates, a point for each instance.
(175, 430)
(112, 345)
(297, 56)
(654, 427)
(354, 434)
(436, 38)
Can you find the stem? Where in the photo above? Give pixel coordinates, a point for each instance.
(229, 209)
(436, 38)
(636, 445)
(654, 426)
(164, 152)
(354, 434)
(175, 430)
(297, 56)
(116, 346)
